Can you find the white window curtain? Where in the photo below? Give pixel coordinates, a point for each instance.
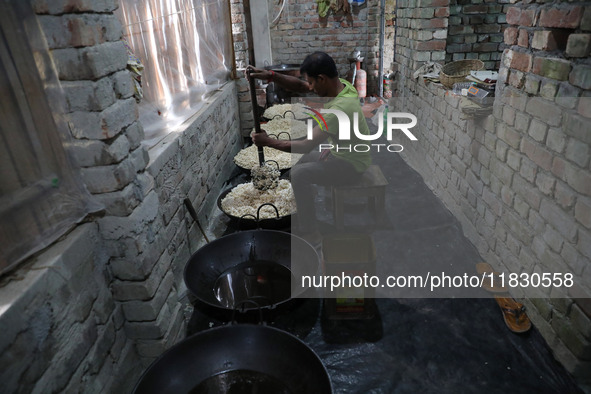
(186, 49)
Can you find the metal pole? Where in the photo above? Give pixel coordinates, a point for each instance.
(255, 113)
(382, 35)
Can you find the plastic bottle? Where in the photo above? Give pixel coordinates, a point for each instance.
(360, 80)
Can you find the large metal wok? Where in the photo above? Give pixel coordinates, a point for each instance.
(237, 359)
(250, 270)
(252, 222)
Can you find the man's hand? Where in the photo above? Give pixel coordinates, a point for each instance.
(287, 82)
(257, 73)
(261, 139)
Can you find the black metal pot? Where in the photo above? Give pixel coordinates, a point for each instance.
(237, 359)
(255, 266)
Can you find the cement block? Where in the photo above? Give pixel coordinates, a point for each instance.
(563, 222)
(579, 45)
(545, 111)
(104, 59)
(122, 202)
(148, 310)
(118, 116)
(123, 84)
(110, 178)
(578, 152)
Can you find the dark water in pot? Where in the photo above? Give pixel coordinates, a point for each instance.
(241, 382)
(264, 282)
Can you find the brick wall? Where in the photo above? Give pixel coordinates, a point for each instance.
(152, 245)
(476, 31)
(300, 31)
(242, 52)
(91, 312)
(519, 180)
(62, 331)
(421, 32)
(240, 33)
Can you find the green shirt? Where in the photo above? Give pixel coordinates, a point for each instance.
(347, 101)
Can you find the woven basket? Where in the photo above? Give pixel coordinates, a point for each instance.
(458, 71)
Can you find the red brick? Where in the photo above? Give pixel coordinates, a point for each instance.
(510, 34)
(549, 40)
(566, 17)
(432, 45)
(442, 12)
(523, 40)
(527, 17)
(236, 18)
(513, 15)
(521, 61)
(516, 79)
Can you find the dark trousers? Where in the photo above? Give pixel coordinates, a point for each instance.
(308, 172)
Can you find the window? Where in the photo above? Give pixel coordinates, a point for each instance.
(40, 196)
(186, 49)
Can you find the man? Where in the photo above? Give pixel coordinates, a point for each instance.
(338, 165)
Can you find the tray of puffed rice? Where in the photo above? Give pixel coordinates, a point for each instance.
(286, 128)
(248, 158)
(288, 111)
(250, 207)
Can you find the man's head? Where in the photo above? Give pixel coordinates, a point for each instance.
(319, 69)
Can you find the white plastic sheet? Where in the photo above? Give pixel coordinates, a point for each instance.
(186, 50)
(41, 193)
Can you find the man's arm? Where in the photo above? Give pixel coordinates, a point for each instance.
(285, 81)
(299, 146)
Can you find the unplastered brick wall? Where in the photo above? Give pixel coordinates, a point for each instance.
(63, 332)
(519, 180)
(63, 329)
(240, 35)
(92, 311)
(421, 32)
(153, 244)
(301, 31)
(476, 31)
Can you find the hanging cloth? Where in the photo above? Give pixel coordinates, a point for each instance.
(323, 7)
